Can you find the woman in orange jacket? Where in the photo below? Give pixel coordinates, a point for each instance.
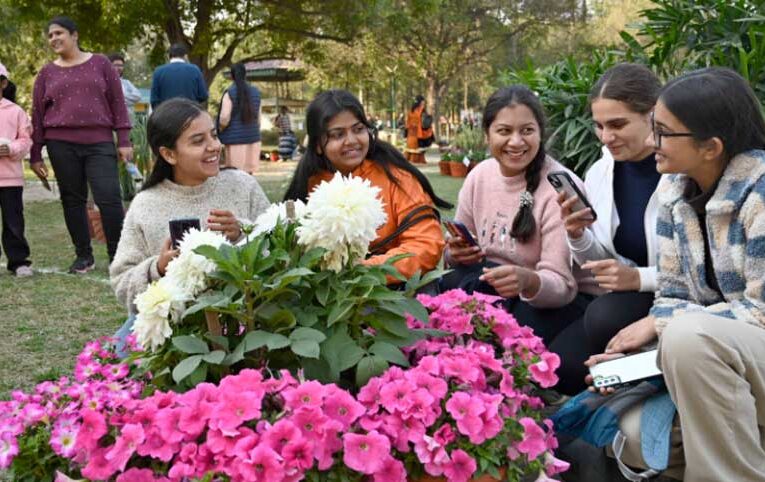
(415, 132)
(340, 138)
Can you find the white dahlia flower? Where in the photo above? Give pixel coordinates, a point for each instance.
(188, 271)
(267, 221)
(342, 216)
(157, 306)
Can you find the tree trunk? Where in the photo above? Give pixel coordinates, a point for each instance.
(433, 102)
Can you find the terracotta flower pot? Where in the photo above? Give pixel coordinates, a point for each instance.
(443, 167)
(458, 169)
(94, 225)
(274, 156)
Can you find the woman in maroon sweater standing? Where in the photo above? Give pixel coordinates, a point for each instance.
(77, 106)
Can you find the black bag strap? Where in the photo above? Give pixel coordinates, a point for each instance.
(420, 213)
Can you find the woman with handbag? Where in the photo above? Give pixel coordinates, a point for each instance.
(239, 122)
(419, 131)
(340, 138)
(521, 252)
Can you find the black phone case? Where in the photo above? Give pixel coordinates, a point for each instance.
(553, 179)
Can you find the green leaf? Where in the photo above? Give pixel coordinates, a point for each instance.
(198, 376)
(369, 366)
(341, 352)
(255, 339)
(215, 357)
(219, 340)
(185, 367)
(277, 341)
(305, 348)
(303, 333)
(389, 352)
(190, 344)
(339, 312)
(322, 293)
(235, 356)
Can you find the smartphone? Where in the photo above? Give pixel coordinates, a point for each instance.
(625, 370)
(459, 230)
(562, 181)
(178, 228)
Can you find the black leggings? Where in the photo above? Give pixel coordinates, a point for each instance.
(589, 335)
(547, 323)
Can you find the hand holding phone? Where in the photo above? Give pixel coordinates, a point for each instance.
(576, 210)
(460, 231)
(624, 370)
(178, 228)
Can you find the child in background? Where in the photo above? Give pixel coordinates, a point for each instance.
(15, 142)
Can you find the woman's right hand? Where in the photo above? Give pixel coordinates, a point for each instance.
(166, 254)
(594, 360)
(575, 222)
(40, 170)
(462, 253)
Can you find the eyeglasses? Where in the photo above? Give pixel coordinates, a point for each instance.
(657, 134)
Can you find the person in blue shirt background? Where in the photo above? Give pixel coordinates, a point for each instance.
(178, 78)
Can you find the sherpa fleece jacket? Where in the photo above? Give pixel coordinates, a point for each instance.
(735, 219)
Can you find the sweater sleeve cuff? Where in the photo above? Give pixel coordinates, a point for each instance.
(123, 137)
(648, 281)
(35, 155)
(582, 243)
(154, 270)
(547, 295)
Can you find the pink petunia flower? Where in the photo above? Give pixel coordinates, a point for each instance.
(392, 470)
(98, 468)
(461, 468)
(125, 446)
(266, 464)
(307, 394)
(543, 372)
(341, 406)
(365, 453)
(533, 443)
(9, 448)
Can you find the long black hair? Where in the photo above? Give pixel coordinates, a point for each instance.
(717, 102)
(417, 101)
(165, 126)
(320, 111)
(524, 224)
(242, 106)
(633, 84)
(65, 22)
(9, 91)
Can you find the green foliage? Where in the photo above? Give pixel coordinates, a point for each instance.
(674, 36)
(470, 142)
(278, 308)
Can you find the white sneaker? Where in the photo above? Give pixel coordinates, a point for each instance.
(23, 272)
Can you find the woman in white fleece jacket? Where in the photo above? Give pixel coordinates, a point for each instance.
(619, 248)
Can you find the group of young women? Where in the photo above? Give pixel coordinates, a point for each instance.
(680, 258)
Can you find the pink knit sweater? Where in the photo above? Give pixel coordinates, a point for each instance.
(488, 202)
(16, 128)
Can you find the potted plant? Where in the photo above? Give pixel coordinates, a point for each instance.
(471, 141)
(443, 164)
(459, 164)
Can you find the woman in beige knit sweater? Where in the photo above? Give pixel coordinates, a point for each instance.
(186, 182)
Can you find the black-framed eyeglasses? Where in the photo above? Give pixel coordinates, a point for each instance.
(657, 134)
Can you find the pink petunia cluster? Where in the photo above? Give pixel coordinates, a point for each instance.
(101, 385)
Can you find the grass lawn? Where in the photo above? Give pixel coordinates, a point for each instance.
(47, 318)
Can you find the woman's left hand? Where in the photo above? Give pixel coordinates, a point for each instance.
(612, 275)
(634, 336)
(125, 154)
(510, 281)
(225, 222)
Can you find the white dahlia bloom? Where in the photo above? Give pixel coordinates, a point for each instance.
(188, 271)
(342, 216)
(267, 221)
(157, 306)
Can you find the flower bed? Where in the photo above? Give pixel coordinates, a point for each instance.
(287, 359)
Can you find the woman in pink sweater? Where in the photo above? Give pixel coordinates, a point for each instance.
(522, 253)
(15, 141)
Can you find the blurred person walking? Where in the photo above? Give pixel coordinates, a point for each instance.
(239, 122)
(178, 78)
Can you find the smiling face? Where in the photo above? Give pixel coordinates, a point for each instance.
(196, 155)
(622, 130)
(119, 66)
(514, 138)
(61, 41)
(346, 142)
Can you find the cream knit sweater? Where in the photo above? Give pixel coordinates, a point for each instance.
(146, 223)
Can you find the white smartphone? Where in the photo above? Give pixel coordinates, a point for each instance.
(621, 371)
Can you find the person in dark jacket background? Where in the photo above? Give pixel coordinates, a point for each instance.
(178, 78)
(239, 122)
